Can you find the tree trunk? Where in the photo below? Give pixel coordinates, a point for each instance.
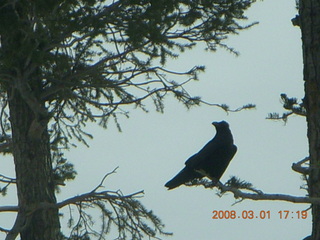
(32, 158)
(28, 117)
(309, 15)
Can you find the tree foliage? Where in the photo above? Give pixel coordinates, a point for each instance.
(293, 107)
(85, 60)
(74, 62)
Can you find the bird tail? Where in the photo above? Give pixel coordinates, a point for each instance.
(185, 175)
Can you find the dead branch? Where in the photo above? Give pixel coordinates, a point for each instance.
(104, 178)
(6, 179)
(9, 209)
(265, 196)
(297, 167)
(93, 196)
(256, 196)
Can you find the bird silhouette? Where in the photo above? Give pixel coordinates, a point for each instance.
(211, 161)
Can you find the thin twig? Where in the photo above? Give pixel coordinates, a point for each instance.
(104, 178)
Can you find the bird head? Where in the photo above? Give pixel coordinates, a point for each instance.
(222, 124)
(222, 129)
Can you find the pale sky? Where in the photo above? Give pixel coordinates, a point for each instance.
(153, 147)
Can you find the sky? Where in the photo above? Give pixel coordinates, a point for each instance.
(153, 147)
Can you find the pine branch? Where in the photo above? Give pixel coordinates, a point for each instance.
(227, 108)
(128, 215)
(265, 196)
(91, 197)
(256, 196)
(293, 106)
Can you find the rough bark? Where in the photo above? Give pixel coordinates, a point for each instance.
(309, 15)
(28, 118)
(31, 151)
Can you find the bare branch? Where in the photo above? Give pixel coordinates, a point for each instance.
(279, 197)
(104, 178)
(9, 209)
(257, 196)
(6, 179)
(297, 167)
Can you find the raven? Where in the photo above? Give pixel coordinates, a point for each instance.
(211, 161)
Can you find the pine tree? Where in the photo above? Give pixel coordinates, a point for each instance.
(309, 22)
(66, 63)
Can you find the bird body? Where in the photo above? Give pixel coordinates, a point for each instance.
(211, 161)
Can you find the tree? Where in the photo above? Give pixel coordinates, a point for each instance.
(66, 63)
(309, 16)
(309, 22)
